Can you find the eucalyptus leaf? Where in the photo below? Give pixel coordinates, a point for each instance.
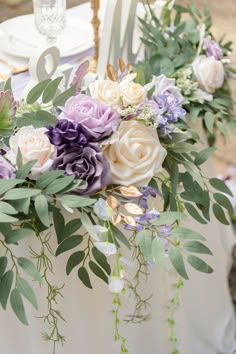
(168, 218)
(145, 244)
(98, 271)
(194, 213)
(29, 267)
(204, 155)
(101, 259)
(47, 178)
(59, 224)
(219, 214)
(24, 170)
(158, 252)
(41, 207)
(51, 89)
(198, 264)
(186, 234)
(176, 259)
(5, 287)
(36, 91)
(88, 226)
(75, 259)
(59, 184)
(75, 201)
(7, 208)
(26, 290)
(220, 186)
(3, 265)
(84, 277)
(70, 228)
(69, 243)
(6, 185)
(63, 97)
(120, 236)
(223, 201)
(18, 234)
(196, 247)
(21, 193)
(18, 306)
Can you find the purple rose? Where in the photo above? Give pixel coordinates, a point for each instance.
(6, 170)
(88, 164)
(212, 48)
(67, 135)
(165, 86)
(99, 119)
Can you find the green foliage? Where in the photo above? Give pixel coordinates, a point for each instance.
(18, 306)
(84, 277)
(5, 287)
(69, 243)
(74, 260)
(176, 259)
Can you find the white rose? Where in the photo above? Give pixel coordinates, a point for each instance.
(209, 73)
(106, 91)
(34, 145)
(132, 94)
(136, 156)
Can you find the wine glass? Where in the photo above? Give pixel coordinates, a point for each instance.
(49, 18)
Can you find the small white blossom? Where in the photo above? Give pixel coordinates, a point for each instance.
(106, 248)
(116, 285)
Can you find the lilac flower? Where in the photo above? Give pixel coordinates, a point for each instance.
(146, 193)
(67, 135)
(165, 232)
(88, 164)
(6, 170)
(98, 119)
(212, 48)
(145, 219)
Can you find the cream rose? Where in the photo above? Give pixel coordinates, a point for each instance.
(209, 73)
(131, 93)
(34, 145)
(106, 91)
(136, 156)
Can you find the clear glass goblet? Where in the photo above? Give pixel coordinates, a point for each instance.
(50, 18)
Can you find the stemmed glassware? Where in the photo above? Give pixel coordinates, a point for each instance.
(50, 18)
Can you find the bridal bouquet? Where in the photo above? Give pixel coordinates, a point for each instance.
(119, 161)
(179, 44)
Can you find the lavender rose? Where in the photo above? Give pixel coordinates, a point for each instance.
(99, 119)
(67, 135)
(165, 87)
(88, 164)
(212, 48)
(6, 170)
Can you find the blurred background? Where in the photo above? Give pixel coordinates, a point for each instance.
(224, 16)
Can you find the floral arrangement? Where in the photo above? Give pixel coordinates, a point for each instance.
(121, 162)
(179, 44)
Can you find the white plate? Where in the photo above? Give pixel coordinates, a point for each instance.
(20, 38)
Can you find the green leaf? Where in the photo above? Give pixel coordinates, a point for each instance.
(223, 201)
(45, 118)
(29, 267)
(209, 121)
(186, 234)
(69, 243)
(84, 277)
(145, 244)
(101, 259)
(70, 228)
(75, 201)
(75, 259)
(5, 288)
(59, 224)
(24, 170)
(219, 214)
(7, 208)
(194, 172)
(204, 155)
(184, 147)
(63, 97)
(51, 90)
(158, 252)
(5, 185)
(198, 264)
(21, 193)
(222, 128)
(98, 271)
(120, 236)
(21, 205)
(18, 306)
(194, 213)
(88, 225)
(176, 259)
(7, 85)
(166, 66)
(196, 247)
(41, 207)
(194, 113)
(220, 186)
(18, 234)
(7, 218)
(47, 178)
(3, 265)
(36, 91)
(59, 184)
(26, 290)
(168, 218)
